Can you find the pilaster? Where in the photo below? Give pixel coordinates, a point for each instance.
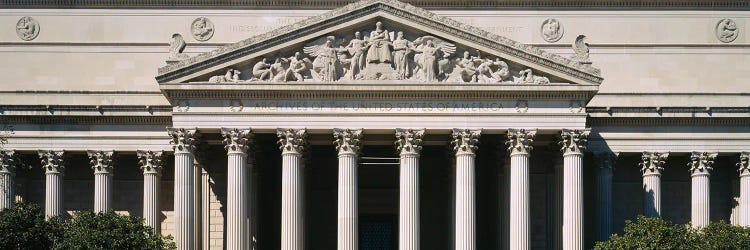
(409, 146)
(701, 166)
(652, 165)
(519, 145)
(465, 143)
(348, 144)
(102, 164)
(236, 142)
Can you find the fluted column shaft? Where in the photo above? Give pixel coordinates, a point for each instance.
(152, 163)
(184, 141)
(744, 171)
(573, 144)
(519, 145)
(652, 165)
(206, 209)
(409, 144)
(347, 143)
(701, 165)
(238, 228)
(52, 162)
(465, 143)
(7, 173)
(606, 162)
(292, 144)
(101, 162)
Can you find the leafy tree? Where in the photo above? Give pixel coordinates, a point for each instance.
(89, 230)
(24, 227)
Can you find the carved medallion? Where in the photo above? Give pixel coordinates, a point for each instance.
(552, 30)
(202, 29)
(726, 30)
(27, 28)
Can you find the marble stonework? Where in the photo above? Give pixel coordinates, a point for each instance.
(449, 124)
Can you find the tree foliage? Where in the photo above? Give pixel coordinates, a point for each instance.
(655, 233)
(24, 227)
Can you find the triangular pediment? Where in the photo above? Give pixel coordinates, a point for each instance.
(432, 48)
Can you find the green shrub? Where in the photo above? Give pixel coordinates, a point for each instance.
(89, 230)
(24, 227)
(655, 233)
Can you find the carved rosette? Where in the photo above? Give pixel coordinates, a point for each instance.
(347, 141)
(465, 141)
(652, 163)
(606, 159)
(8, 162)
(151, 162)
(52, 161)
(236, 141)
(573, 141)
(702, 163)
(519, 141)
(409, 141)
(184, 141)
(292, 141)
(744, 164)
(101, 161)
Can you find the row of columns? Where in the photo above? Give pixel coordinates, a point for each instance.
(293, 144)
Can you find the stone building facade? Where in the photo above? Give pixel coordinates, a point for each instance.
(379, 124)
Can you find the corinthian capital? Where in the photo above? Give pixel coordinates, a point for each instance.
(101, 161)
(701, 163)
(465, 141)
(292, 140)
(744, 164)
(151, 162)
(52, 161)
(183, 140)
(606, 159)
(409, 141)
(347, 141)
(573, 141)
(7, 161)
(236, 140)
(653, 162)
(519, 140)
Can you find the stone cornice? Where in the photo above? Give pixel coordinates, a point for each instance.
(98, 110)
(513, 50)
(667, 121)
(327, 4)
(701, 163)
(347, 141)
(87, 120)
(465, 141)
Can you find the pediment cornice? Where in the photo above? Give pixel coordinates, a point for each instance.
(548, 63)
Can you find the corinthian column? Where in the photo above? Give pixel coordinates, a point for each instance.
(101, 162)
(573, 144)
(744, 171)
(347, 143)
(293, 143)
(7, 173)
(519, 145)
(236, 143)
(54, 171)
(409, 145)
(184, 144)
(152, 164)
(701, 165)
(652, 164)
(465, 143)
(606, 161)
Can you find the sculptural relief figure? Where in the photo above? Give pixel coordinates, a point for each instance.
(726, 30)
(466, 70)
(232, 75)
(202, 29)
(262, 70)
(431, 50)
(297, 68)
(379, 45)
(401, 50)
(492, 71)
(357, 48)
(27, 28)
(552, 30)
(176, 46)
(527, 76)
(326, 64)
(581, 49)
